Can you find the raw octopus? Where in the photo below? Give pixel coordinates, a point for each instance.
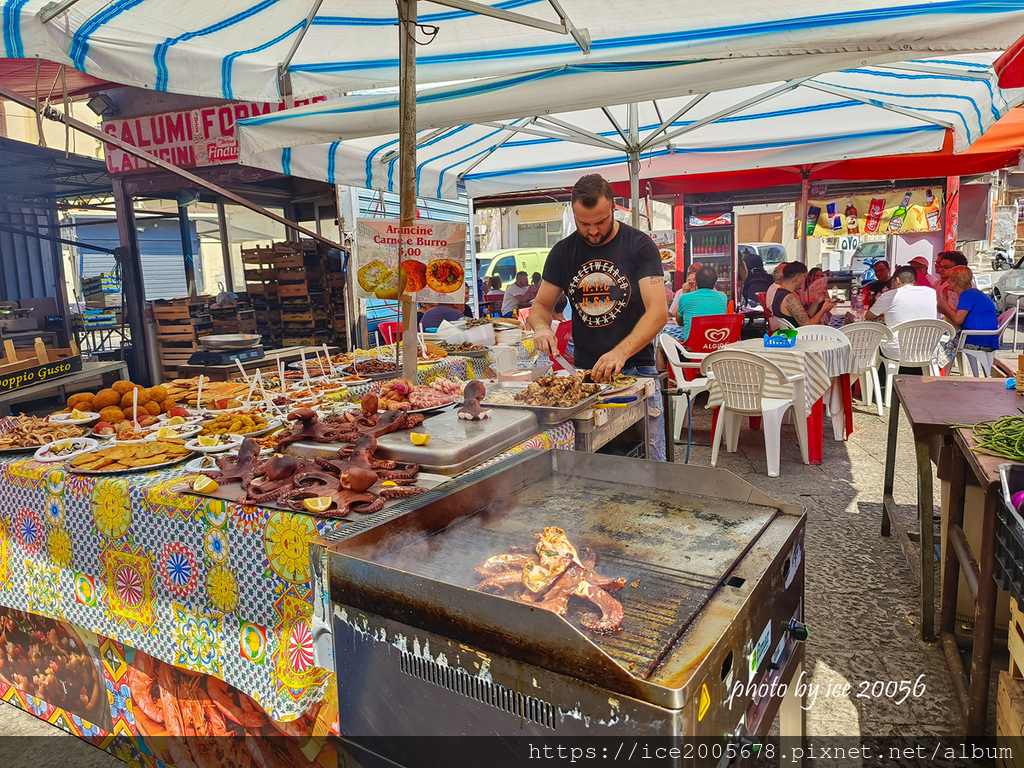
(552, 577)
(472, 409)
(351, 479)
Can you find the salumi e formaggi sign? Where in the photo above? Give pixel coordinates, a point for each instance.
(188, 138)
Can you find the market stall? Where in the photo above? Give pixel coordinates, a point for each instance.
(171, 589)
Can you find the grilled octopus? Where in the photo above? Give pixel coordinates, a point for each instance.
(554, 575)
(351, 427)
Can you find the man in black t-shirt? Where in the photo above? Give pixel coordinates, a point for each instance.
(613, 277)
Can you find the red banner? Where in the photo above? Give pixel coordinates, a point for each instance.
(188, 138)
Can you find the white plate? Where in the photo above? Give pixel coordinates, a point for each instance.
(65, 418)
(84, 444)
(233, 441)
(193, 417)
(182, 431)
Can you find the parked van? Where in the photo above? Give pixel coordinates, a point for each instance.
(770, 253)
(505, 264)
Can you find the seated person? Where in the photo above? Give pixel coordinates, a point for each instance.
(517, 296)
(787, 304)
(703, 301)
(881, 283)
(920, 264)
(906, 301)
(758, 280)
(943, 263)
(558, 316)
(494, 292)
(774, 287)
(974, 312)
(688, 287)
(451, 312)
(815, 290)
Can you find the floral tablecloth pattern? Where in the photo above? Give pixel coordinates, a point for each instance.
(208, 585)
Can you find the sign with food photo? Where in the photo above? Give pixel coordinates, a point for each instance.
(432, 268)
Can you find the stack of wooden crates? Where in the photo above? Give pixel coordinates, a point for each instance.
(261, 285)
(1010, 699)
(180, 323)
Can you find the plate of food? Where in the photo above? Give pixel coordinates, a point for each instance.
(179, 432)
(62, 450)
(667, 255)
(619, 384)
(75, 418)
(24, 434)
(136, 456)
(372, 369)
(214, 443)
(250, 424)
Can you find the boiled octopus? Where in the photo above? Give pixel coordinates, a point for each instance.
(357, 465)
(241, 467)
(552, 576)
(350, 427)
(472, 409)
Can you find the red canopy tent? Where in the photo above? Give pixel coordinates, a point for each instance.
(23, 76)
(999, 147)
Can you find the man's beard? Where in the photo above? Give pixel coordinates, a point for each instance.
(604, 239)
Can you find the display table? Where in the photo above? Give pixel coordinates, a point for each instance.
(931, 403)
(90, 370)
(159, 585)
(979, 571)
(267, 363)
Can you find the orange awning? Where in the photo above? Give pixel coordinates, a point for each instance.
(20, 75)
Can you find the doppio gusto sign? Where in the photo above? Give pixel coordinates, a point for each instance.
(188, 138)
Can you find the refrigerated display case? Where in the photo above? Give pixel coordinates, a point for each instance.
(711, 241)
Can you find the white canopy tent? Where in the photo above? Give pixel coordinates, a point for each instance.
(268, 50)
(519, 141)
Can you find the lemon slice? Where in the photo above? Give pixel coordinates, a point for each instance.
(388, 484)
(175, 420)
(419, 438)
(166, 433)
(205, 485)
(209, 441)
(318, 503)
(77, 414)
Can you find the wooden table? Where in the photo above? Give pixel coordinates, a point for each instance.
(931, 403)
(268, 362)
(979, 574)
(109, 371)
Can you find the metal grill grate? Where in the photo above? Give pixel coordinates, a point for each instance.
(493, 694)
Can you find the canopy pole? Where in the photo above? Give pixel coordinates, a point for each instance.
(634, 165)
(805, 188)
(407, 169)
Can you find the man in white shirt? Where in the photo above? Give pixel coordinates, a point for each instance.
(516, 295)
(906, 301)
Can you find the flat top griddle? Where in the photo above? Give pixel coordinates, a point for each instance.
(676, 548)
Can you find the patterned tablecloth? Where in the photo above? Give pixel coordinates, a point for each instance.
(203, 584)
(819, 361)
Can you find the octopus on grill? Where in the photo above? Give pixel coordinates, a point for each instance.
(552, 576)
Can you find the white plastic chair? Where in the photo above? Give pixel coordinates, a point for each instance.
(866, 338)
(782, 324)
(820, 333)
(741, 377)
(919, 345)
(675, 355)
(980, 356)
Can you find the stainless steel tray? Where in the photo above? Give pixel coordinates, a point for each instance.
(227, 342)
(545, 415)
(455, 444)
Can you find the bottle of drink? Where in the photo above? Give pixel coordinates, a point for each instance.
(875, 211)
(813, 212)
(835, 221)
(898, 216)
(852, 226)
(931, 211)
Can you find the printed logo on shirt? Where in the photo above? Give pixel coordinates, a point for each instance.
(599, 293)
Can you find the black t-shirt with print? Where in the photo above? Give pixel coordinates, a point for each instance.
(603, 286)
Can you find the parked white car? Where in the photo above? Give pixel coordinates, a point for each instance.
(1009, 288)
(770, 253)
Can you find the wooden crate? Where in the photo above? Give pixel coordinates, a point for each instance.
(1015, 641)
(1010, 718)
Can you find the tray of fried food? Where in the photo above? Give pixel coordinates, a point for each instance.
(130, 457)
(553, 398)
(250, 423)
(20, 434)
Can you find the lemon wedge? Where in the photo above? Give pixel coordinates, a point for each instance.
(318, 503)
(419, 438)
(205, 485)
(175, 420)
(164, 432)
(77, 414)
(388, 484)
(209, 441)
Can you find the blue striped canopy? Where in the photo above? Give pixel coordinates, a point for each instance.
(234, 48)
(507, 134)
